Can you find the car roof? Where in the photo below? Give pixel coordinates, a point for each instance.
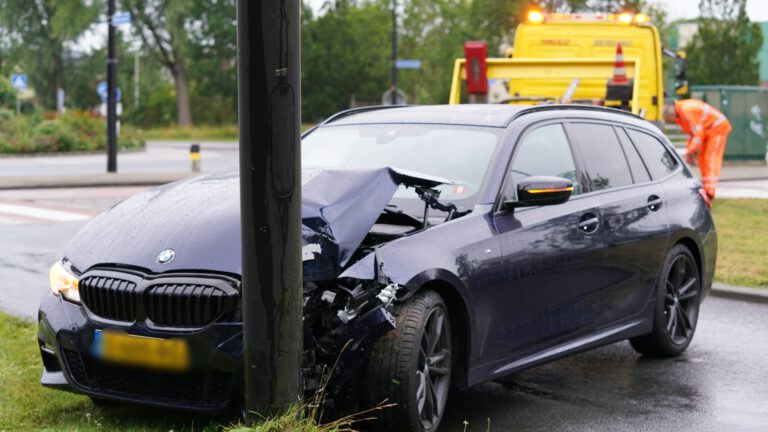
(485, 115)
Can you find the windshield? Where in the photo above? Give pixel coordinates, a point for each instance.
(458, 153)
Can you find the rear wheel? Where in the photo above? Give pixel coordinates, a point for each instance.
(677, 307)
(411, 367)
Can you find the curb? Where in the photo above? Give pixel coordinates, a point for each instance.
(752, 295)
(97, 180)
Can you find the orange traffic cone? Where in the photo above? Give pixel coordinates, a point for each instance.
(619, 69)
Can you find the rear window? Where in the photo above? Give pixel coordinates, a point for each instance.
(655, 154)
(639, 172)
(603, 157)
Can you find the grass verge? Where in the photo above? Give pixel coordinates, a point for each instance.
(742, 231)
(197, 133)
(25, 405)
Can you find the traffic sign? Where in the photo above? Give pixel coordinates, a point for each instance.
(19, 81)
(408, 64)
(121, 18)
(400, 97)
(101, 89)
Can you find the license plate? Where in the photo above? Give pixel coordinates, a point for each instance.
(130, 350)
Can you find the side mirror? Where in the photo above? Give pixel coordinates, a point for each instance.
(541, 190)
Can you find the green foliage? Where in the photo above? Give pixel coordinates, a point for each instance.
(70, 132)
(434, 31)
(345, 54)
(36, 34)
(7, 92)
(605, 6)
(25, 405)
(725, 50)
(742, 236)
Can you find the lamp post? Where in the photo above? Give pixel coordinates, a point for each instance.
(269, 98)
(111, 93)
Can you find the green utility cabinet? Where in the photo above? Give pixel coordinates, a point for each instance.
(746, 108)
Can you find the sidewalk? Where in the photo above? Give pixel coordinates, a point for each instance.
(91, 180)
(735, 171)
(165, 162)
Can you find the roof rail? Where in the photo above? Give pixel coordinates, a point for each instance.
(359, 110)
(555, 107)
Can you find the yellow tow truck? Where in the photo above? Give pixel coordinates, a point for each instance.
(572, 58)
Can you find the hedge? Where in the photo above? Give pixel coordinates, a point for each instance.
(70, 132)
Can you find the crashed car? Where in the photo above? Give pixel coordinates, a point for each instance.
(442, 246)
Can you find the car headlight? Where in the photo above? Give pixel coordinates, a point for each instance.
(65, 283)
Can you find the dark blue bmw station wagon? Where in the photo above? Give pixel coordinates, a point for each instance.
(442, 246)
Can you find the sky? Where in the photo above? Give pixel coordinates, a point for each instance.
(756, 9)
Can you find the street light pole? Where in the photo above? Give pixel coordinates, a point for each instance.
(394, 53)
(111, 93)
(269, 98)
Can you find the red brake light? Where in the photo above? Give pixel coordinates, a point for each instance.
(704, 196)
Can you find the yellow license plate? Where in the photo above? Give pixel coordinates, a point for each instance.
(153, 353)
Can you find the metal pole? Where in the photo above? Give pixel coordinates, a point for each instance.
(269, 98)
(111, 93)
(394, 53)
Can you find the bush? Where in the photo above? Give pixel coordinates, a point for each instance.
(52, 136)
(69, 132)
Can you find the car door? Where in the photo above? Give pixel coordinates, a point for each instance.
(551, 254)
(635, 225)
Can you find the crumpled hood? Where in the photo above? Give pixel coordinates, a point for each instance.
(200, 220)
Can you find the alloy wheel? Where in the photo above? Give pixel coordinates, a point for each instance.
(681, 300)
(434, 369)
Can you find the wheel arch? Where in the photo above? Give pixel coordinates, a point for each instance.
(695, 249)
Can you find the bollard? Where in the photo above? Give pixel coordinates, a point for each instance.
(194, 157)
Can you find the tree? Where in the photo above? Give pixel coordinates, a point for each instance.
(604, 6)
(37, 33)
(345, 54)
(725, 49)
(213, 46)
(494, 21)
(434, 32)
(162, 26)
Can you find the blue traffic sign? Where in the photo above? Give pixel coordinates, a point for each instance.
(121, 18)
(408, 64)
(101, 89)
(19, 81)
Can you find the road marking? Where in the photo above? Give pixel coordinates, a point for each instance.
(41, 213)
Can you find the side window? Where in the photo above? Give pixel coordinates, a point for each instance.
(545, 152)
(603, 156)
(639, 171)
(654, 153)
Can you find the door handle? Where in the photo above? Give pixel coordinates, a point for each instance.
(589, 223)
(654, 202)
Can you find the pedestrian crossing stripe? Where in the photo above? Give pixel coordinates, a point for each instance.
(42, 213)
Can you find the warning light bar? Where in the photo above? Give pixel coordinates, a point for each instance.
(537, 17)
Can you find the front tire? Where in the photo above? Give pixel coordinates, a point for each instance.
(677, 307)
(411, 367)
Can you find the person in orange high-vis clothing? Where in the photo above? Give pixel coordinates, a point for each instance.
(708, 131)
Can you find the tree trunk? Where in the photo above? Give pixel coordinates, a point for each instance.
(183, 109)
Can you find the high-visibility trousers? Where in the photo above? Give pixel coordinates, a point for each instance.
(711, 160)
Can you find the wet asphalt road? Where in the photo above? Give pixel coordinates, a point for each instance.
(719, 384)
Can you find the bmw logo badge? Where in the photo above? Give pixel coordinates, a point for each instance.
(166, 256)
